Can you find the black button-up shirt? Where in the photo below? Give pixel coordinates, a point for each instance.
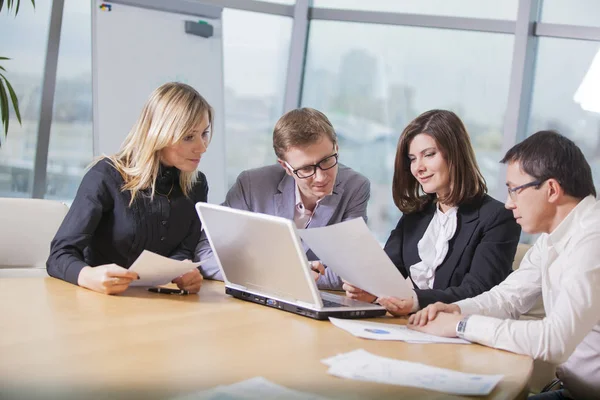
(102, 228)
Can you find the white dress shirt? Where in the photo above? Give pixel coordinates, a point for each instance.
(564, 268)
(433, 248)
(302, 215)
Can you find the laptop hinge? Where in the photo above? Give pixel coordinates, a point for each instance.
(238, 287)
(306, 305)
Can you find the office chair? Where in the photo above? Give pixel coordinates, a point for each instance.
(27, 227)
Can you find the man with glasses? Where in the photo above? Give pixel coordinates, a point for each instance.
(551, 192)
(307, 185)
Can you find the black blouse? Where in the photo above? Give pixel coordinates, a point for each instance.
(101, 228)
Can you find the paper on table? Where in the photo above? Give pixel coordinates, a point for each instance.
(379, 331)
(154, 269)
(364, 366)
(257, 388)
(352, 252)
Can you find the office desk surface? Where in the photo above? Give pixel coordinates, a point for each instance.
(58, 340)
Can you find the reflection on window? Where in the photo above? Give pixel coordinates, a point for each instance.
(372, 80)
(287, 2)
(571, 12)
(506, 9)
(24, 40)
(562, 71)
(71, 148)
(255, 52)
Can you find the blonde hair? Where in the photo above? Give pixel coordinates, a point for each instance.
(171, 112)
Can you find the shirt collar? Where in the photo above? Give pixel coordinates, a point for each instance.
(299, 202)
(166, 177)
(569, 225)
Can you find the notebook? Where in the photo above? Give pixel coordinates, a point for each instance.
(262, 260)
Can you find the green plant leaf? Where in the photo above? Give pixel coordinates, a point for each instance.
(1, 4)
(4, 107)
(17, 9)
(33, 2)
(13, 98)
(4, 58)
(2, 68)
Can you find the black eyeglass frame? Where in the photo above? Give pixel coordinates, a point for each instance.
(314, 166)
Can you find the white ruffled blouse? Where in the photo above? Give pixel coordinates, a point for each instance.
(433, 247)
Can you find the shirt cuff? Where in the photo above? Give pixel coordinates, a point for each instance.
(481, 329)
(73, 270)
(467, 307)
(415, 306)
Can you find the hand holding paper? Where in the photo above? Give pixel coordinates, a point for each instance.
(352, 252)
(154, 269)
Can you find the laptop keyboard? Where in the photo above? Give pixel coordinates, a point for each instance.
(329, 303)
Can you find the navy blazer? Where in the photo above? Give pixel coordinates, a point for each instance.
(480, 255)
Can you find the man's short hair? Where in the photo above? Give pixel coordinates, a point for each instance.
(548, 154)
(299, 128)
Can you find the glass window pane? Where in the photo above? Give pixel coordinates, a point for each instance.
(506, 9)
(255, 52)
(71, 140)
(571, 12)
(372, 80)
(565, 94)
(23, 39)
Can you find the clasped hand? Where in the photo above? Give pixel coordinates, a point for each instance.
(436, 319)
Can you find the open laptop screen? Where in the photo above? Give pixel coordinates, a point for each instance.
(260, 252)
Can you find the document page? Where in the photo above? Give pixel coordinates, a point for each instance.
(257, 388)
(155, 270)
(380, 331)
(352, 252)
(364, 366)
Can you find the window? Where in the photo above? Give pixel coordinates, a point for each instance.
(256, 52)
(71, 139)
(506, 9)
(571, 12)
(24, 40)
(563, 99)
(372, 80)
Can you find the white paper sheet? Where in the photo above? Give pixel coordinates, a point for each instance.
(352, 252)
(257, 388)
(154, 269)
(364, 366)
(380, 331)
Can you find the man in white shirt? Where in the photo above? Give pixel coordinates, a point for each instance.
(551, 192)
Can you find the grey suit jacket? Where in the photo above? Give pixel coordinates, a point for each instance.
(269, 190)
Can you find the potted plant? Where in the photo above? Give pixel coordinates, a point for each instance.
(7, 93)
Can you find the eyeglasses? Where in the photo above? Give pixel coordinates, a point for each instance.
(309, 170)
(512, 192)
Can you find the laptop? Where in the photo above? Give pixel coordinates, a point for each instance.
(263, 261)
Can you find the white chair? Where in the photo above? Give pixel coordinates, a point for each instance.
(537, 311)
(27, 226)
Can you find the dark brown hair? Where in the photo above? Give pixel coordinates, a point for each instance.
(301, 127)
(451, 137)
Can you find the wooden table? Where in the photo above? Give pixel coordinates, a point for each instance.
(61, 341)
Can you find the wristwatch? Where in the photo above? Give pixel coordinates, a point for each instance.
(461, 326)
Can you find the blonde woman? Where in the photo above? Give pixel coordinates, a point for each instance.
(141, 198)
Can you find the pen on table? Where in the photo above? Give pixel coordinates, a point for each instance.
(168, 291)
